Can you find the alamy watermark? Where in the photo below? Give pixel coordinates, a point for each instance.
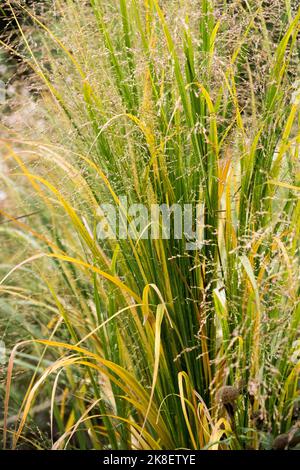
(158, 221)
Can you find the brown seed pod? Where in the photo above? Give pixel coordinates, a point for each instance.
(258, 419)
(295, 440)
(227, 394)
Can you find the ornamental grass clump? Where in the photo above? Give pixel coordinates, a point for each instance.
(131, 340)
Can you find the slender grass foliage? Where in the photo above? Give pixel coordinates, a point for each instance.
(148, 345)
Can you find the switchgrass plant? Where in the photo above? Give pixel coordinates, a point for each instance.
(139, 343)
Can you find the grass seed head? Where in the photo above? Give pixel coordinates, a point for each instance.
(228, 394)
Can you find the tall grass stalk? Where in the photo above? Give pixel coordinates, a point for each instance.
(147, 99)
